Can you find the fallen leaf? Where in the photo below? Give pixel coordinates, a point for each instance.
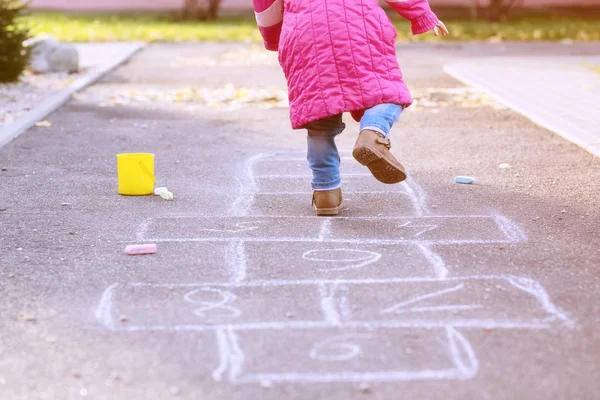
(44, 124)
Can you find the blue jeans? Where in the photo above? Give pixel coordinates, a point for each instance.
(323, 156)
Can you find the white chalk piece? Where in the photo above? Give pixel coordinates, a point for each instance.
(464, 179)
(164, 193)
(137, 249)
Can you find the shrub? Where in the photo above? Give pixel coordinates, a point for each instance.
(13, 54)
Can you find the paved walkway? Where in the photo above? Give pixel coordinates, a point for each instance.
(428, 289)
(561, 93)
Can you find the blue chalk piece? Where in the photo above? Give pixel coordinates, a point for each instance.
(464, 179)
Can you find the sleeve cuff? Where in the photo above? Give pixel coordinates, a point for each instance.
(272, 46)
(424, 23)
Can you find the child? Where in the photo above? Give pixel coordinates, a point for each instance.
(340, 56)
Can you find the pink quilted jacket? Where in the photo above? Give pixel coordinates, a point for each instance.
(338, 55)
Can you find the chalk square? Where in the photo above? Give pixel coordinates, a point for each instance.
(356, 355)
(482, 302)
(201, 228)
(432, 229)
(206, 306)
(314, 261)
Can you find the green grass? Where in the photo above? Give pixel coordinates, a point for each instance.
(150, 27)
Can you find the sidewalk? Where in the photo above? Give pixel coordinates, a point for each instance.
(560, 93)
(429, 288)
(95, 60)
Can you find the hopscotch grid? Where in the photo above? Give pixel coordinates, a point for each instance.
(231, 356)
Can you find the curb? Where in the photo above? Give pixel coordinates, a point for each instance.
(558, 128)
(54, 102)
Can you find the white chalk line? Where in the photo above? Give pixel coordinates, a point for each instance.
(416, 196)
(437, 262)
(235, 259)
(241, 206)
(424, 228)
(342, 349)
(451, 307)
(396, 324)
(329, 377)
(300, 282)
(535, 289)
(240, 227)
(105, 307)
(391, 217)
(325, 230)
(417, 299)
(468, 365)
(354, 263)
(142, 229)
(346, 192)
(224, 354)
(344, 308)
(236, 355)
(222, 304)
(328, 306)
(336, 241)
(511, 230)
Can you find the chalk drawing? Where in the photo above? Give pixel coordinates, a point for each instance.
(533, 287)
(248, 188)
(438, 230)
(438, 264)
(354, 259)
(328, 305)
(421, 228)
(416, 196)
(462, 353)
(393, 324)
(231, 357)
(241, 227)
(104, 311)
(432, 304)
(325, 230)
(213, 309)
(338, 348)
(438, 293)
(235, 258)
(224, 354)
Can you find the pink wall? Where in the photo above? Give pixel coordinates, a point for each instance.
(240, 4)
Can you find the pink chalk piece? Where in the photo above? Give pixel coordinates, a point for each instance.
(136, 249)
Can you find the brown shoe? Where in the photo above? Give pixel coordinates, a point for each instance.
(373, 150)
(327, 202)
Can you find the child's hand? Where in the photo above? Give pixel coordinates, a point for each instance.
(440, 26)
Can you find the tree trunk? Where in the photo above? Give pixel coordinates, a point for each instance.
(213, 9)
(190, 9)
